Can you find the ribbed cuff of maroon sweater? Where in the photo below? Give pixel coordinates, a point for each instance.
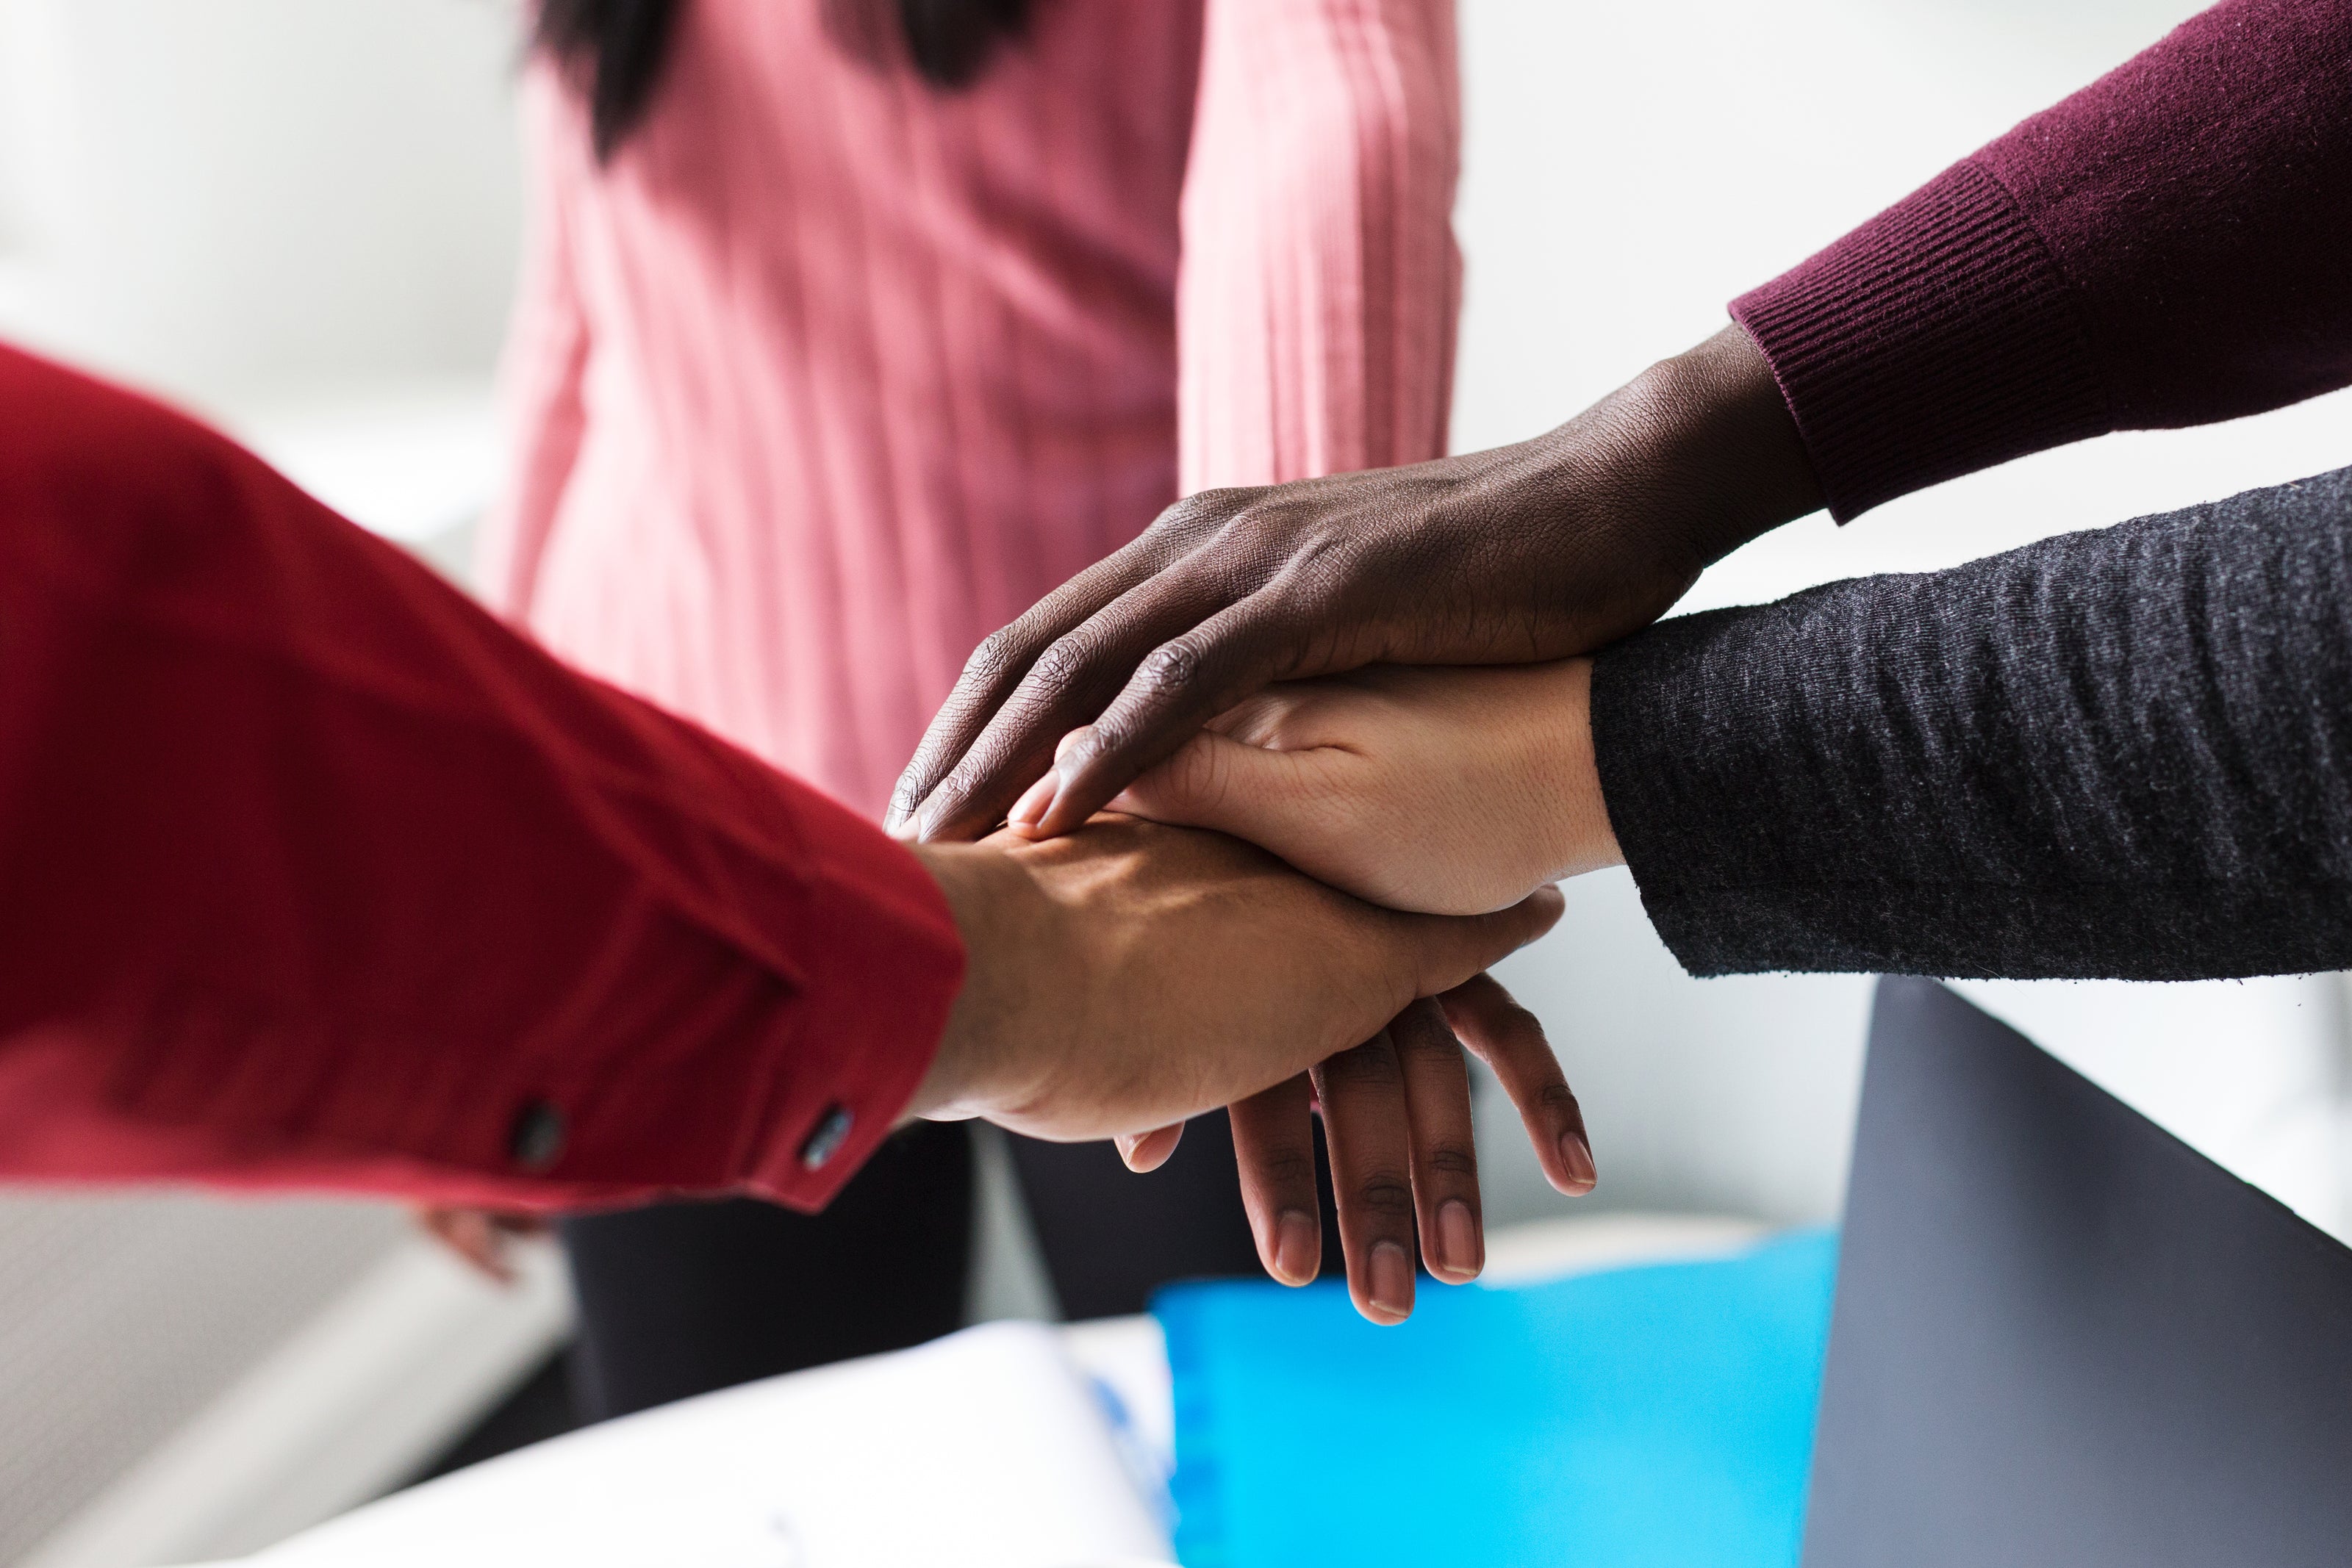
(1937, 338)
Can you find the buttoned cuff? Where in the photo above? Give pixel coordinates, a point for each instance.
(683, 1062)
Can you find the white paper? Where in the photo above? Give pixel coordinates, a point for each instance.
(984, 1448)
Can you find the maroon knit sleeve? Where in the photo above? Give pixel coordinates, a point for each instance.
(2169, 247)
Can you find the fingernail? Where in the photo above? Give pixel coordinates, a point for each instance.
(1392, 1284)
(1030, 810)
(1576, 1155)
(1295, 1239)
(1067, 762)
(1460, 1251)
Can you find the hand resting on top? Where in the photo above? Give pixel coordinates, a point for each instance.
(1452, 790)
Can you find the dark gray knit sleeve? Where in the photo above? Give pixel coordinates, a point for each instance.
(2124, 753)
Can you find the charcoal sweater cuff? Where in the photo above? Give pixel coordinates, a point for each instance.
(1939, 338)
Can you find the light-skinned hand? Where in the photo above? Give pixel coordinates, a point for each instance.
(479, 1238)
(1450, 791)
(1132, 974)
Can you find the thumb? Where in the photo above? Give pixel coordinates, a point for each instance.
(1275, 799)
(1149, 1151)
(1445, 950)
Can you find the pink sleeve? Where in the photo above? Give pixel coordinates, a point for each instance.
(1320, 282)
(545, 360)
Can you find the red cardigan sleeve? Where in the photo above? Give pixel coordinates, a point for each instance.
(2171, 245)
(315, 875)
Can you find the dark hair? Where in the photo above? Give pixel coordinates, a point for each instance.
(613, 49)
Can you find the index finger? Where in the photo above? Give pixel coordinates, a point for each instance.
(1071, 682)
(1510, 1039)
(1448, 950)
(997, 667)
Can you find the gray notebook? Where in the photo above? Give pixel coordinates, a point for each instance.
(2065, 1337)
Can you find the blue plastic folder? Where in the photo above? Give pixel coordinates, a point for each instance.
(1660, 1416)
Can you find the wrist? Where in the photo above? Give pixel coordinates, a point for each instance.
(1002, 918)
(1579, 836)
(1714, 450)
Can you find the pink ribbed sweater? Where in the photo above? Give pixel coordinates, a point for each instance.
(828, 374)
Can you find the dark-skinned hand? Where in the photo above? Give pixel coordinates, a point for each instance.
(1523, 554)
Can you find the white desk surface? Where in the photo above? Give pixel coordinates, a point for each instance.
(1011, 1444)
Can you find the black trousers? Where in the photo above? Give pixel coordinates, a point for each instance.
(679, 1298)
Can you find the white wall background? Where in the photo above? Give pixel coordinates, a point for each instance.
(239, 198)
(299, 216)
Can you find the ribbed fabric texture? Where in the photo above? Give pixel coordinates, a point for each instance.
(1321, 286)
(2168, 247)
(1937, 339)
(827, 375)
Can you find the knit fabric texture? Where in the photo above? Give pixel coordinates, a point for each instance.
(2125, 753)
(2170, 246)
(828, 374)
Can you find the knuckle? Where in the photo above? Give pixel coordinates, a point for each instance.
(994, 656)
(1292, 1166)
(1195, 777)
(1454, 1160)
(1518, 1019)
(1287, 728)
(1518, 1034)
(1428, 1041)
(1172, 667)
(1557, 1097)
(1202, 512)
(1385, 1193)
(1059, 665)
(1364, 1065)
(1314, 559)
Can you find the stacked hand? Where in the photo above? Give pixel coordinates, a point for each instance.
(1449, 791)
(1125, 977)
(1527, 553)
(1175, 679)
(1455, 792)
(1130, 975)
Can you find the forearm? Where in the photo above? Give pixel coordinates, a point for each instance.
(2114, 754)
(320, 875)
(2168, 246)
